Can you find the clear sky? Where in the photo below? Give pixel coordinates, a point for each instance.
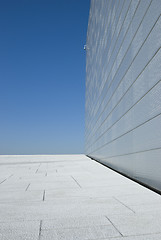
(42, 76)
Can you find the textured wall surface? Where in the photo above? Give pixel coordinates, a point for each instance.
(123, 87)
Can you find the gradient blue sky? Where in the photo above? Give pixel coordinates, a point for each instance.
(42, 76)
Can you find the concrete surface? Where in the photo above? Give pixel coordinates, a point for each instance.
(71, 197)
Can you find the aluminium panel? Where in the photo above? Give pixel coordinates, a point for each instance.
(123, 87)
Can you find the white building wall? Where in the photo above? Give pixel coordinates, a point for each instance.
(123, 87)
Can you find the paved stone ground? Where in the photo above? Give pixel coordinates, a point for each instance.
(71, 197)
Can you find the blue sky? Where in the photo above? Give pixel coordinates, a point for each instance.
(42, 76)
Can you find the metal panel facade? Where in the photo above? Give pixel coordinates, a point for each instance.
(123, 87)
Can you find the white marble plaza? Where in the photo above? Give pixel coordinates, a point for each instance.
(71, 197)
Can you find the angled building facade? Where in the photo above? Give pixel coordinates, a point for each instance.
(123, 87)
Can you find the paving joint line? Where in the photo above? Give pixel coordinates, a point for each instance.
(84, 227)
(76, 181)
(52, 162)
(114, 226)
(38, 168)
(10, 176)
(43, 196)
(27, 187)
(135, 235)
(124, 204)
(40, 229)
(6, 179)
(3, 181)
